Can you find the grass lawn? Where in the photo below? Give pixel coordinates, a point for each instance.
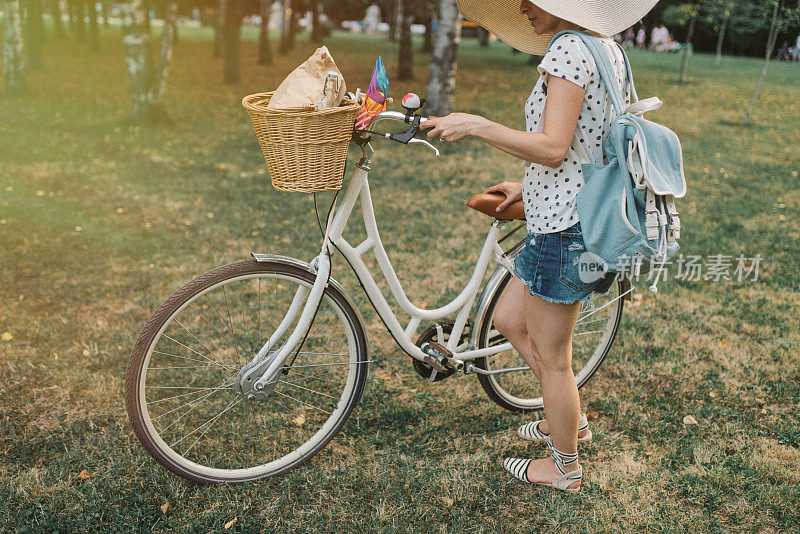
(101, 221)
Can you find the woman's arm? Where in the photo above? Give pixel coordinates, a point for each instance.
(562, 109)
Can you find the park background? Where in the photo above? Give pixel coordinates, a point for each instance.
(104, 214)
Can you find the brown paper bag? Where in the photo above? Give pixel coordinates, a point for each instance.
(306, 84)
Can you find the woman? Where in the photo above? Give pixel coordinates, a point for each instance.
(568, 113)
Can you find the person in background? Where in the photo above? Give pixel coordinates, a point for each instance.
(797, 49)
(628, 41)
(783, 52)
(655, 38)
(641, 37)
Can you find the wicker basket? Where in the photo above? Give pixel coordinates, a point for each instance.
(305, 149)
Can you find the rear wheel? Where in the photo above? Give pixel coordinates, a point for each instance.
(180, 391)
(593, 336)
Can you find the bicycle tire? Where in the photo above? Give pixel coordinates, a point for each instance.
(583, 371)
(197, 291)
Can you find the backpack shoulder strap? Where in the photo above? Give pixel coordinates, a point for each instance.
(604, 65)
(606, 71)
(634, 96)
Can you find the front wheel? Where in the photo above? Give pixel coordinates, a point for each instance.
(594, 333)
(180, 391)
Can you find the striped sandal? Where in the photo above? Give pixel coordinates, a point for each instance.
(519, 468)
(531, 432)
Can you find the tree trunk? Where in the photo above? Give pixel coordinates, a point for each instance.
(295, 10)
(773, 36)
(427, 44)
(13, 48)
(167, 44)
(264, 46)
(231, 40)
(58, 24)
(146, 4)
(405, 69)
(316, 29)
(94, 33)
(287, 28)
(72, 16)
(394, 6)
(34, 33)
(689, 36)
(442, 73)
(139, 62)
(721, 37)
(219, 27)
(80, 19)
(483, 36)
(398, 21)
(104, 11)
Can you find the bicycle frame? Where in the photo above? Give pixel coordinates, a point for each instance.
(266, 368)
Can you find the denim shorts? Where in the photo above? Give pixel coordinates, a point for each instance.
(548, 265)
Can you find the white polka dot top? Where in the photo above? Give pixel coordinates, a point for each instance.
(549, 194)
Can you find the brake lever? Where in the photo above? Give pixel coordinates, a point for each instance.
(424, 142)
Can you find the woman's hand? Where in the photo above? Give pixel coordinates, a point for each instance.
(512, 191)
(453, 127)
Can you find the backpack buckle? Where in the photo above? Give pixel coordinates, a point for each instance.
(651, 224)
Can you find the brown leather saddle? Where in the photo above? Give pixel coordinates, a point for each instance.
(487, 203)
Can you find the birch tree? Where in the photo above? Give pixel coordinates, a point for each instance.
(726, 16)
(687, 46)
(726, 9)
(13, 47)
(264, 46)
(771, 38)
(58, 24)
(684, 14)
(442, 72)
(147, 80)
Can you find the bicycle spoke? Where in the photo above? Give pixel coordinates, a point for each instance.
(326, 364)
(586, 333)
(186, 393)
(199, 401)
(202, 317)
(182, 345)
(162, 353)
(230, 406)
(177, 396)
(301, 402)
(308, 389)
(230, 321)
(201, 343)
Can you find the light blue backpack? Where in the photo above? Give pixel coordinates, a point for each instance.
(627, 207)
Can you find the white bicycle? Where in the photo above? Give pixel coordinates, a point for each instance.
(250, 369)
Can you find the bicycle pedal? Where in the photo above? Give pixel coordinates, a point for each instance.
(436, 356)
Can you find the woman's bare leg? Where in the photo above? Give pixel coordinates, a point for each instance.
(509, 319)
(550, 327)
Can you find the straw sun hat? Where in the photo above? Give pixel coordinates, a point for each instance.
(503, 18)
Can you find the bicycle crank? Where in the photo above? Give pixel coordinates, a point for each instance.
(432, 341)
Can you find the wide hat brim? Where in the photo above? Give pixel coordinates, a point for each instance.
(503, 18)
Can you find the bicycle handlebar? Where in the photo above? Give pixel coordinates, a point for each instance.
(394, 116)
(407, 137)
